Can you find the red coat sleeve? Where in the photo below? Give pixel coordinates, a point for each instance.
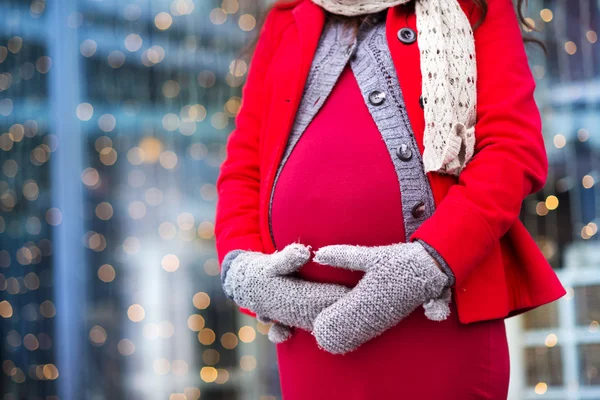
(238, 184)
(510, 160)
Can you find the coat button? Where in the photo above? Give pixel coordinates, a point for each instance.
(407, 35)
(418, 210)
(404, 152)
(376, 97)
(421, 102)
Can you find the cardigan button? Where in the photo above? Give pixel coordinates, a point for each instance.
(407, 35)
(376, 97)
(404, 152)
(418, 210)
(422, 102)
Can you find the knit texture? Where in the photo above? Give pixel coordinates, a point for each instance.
(398, 279)
(263, 283)
(449, 74)
(357, 7)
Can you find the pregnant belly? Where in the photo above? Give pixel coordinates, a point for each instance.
(339, 185)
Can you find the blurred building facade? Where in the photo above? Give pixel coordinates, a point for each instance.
(113, 120)
(556, 348)
(114, 117)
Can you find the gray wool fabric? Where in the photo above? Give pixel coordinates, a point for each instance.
(398, 279)
(263, 283)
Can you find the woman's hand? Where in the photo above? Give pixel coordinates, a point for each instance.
(398, 278)
(262, 283)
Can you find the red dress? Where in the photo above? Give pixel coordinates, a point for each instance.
(339, 186)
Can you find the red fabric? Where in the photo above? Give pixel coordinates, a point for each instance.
(500, 270)
(357, 202)
(416, 359)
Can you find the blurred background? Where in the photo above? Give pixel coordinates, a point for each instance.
(113, 120)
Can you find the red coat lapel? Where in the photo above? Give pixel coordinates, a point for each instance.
(309, 20)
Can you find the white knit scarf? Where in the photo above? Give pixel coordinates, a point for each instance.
(449, 73)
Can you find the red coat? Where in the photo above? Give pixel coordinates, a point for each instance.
(499, 269)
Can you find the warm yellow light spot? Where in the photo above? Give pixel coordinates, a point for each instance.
(594, 327)
(90, 177)
(170, 263)
(247, 334)
(238, 68)
(152, 149)
(6, 310)
(210, 356)
(108, 156)
(583, 135)
(588, 181)
(587, 232)
(541, 388)
(106, 273)
(546, 15)
(177, 396)
(229, 340)
(248, 363)
(206, 336)
(206, 230)
(136, 313)
(201, 300)
(163, 21)
(591, 36)
(552, 202)
(593, 227)
(247, 22)
(559, 141)
(208, 374)
(570, 47)
(551, 340)
(50, 371)
(233, 106)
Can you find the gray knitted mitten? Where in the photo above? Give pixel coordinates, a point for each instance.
(262, 283)
(398, 279)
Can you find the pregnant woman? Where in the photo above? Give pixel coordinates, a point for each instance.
(369, 202)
